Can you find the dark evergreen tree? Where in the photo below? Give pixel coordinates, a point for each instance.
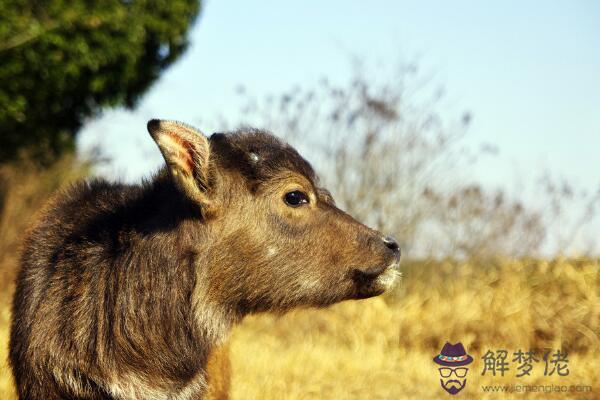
(62, 61)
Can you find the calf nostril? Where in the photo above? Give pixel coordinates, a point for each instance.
(392, 244)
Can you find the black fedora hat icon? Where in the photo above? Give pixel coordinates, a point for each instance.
(453, 355)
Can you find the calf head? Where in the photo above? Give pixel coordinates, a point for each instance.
(274, 238)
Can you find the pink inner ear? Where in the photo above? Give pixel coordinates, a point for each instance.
(184, 152)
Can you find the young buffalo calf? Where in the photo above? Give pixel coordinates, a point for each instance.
(125, 290)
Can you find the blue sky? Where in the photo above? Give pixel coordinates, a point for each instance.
(528, 71)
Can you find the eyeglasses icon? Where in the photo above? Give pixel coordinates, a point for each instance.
(459, 372)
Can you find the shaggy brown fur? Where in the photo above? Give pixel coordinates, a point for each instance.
(129, 291)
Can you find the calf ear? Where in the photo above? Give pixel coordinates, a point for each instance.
(186, 151)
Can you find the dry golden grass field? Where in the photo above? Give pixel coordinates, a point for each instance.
(382, 348)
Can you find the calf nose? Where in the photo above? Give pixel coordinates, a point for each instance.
(392, 244)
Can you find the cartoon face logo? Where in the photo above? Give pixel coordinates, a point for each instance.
(453, 373)
(453, 380)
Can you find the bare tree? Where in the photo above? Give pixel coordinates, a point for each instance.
(394, 161)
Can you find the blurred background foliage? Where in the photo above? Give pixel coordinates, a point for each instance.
(62, 61)
(383, 147)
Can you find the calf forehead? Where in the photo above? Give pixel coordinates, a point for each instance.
(258, 155)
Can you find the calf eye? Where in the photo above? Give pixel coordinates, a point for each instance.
(295, 198)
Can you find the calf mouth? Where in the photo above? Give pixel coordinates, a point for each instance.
(390, 276)
(374, 281)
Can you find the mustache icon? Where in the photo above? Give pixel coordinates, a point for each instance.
(453, 383)
(453, 386)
